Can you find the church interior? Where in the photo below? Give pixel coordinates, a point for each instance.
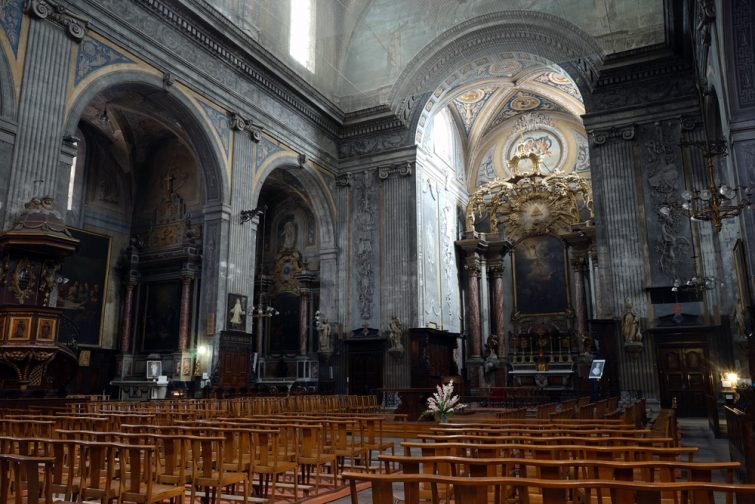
(257, 209)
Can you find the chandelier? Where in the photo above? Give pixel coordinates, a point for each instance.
(715, 202)
(530, 201)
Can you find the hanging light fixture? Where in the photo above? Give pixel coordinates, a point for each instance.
(715, 202)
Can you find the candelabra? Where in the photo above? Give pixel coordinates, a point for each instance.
(715, 202)
(262, 310)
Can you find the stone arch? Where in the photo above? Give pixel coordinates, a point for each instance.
(538, 33)
(321, 199)
(208, 153)
(7, 87)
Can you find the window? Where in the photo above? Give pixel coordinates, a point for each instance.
(443, 137)
(301, 44)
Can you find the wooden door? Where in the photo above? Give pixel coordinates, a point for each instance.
(365, 369)
(683, 372)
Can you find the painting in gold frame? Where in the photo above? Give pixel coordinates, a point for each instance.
(46, 329)
(20, 328)
(540, 272)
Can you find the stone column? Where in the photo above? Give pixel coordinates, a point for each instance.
(495, 253)
(187, 277)
(41, 106)
(580, 241)
(305, 283)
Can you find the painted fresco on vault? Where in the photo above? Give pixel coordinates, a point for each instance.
(540, 284)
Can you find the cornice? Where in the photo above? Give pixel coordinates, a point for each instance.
(182, 19)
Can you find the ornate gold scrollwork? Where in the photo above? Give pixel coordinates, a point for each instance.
(530, 202)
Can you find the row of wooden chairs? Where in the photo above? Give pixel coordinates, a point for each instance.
(478, 490)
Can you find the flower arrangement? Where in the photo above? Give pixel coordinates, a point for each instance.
(442, 404)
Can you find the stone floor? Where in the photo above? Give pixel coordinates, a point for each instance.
(694, 432)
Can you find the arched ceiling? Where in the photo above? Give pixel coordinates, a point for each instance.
(363, 46)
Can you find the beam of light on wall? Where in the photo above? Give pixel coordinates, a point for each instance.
(301, 45)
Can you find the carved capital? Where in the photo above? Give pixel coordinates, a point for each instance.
(343, 180)
(402, 169)
(302, 160)
(600, 137)
(473, 268)
(238, 123)
(496, 270)
(75, 26)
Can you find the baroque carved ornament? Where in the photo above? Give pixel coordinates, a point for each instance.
(531, 202)
(75, 26)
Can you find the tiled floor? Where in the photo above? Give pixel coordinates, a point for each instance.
(694, 431)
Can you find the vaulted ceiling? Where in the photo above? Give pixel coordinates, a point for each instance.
(363, 46)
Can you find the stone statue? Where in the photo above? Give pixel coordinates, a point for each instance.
(324, 331)
(491, 347)
(394, 332)
(630, 324)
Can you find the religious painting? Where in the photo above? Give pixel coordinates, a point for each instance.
(236, 316)
(20, 328)
(540, 282)
(743, 275)
(46, 328)
(544, 144)
(154, 369)
(82, 292)
(160, 314)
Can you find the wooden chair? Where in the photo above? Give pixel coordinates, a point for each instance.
(97, 471)
(20, 479)
(209, 472)
(311, 454)
(269, 462)
(139, 476)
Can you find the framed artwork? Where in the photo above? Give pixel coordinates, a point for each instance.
(540, 276)
(84, 357)
(82, 295)
(20, 328)
(743, 274)
(46, 329)
(596, 369)
(160, 315)
(236, 316)
(154, 369)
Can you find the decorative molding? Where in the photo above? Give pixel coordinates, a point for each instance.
(644, 93)
(75, 26)
(168, 80)
(238, 123)
(343, 180)
(219, 122)
(11, 15)
(371, 144)
(404, 169)
(744, 53)
(220, 51)
(600, 137)
(364, 226)
(93, 55)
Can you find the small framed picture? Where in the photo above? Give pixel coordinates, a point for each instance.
(154, 369)
(596, 369)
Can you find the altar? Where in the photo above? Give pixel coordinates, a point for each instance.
(557, 376)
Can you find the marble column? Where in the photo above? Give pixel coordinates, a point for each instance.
(495, 253)
(472, 265)
(187, 277)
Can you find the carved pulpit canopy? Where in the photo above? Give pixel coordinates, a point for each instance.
(40, 224)
(531, 202)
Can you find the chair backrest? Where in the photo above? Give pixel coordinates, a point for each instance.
(24, 474)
